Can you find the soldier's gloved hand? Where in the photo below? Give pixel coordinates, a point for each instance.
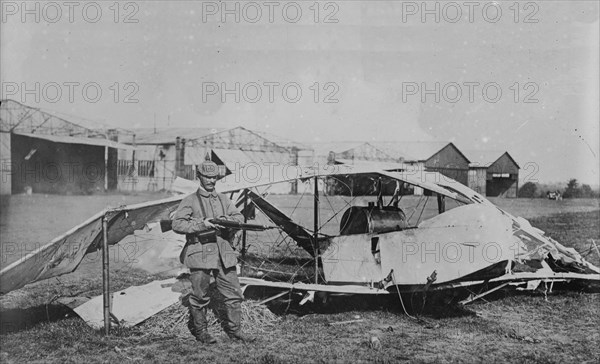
(209, 224)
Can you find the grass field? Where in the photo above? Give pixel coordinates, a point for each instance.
(562, 327)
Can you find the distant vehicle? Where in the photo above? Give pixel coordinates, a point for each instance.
(554, 195)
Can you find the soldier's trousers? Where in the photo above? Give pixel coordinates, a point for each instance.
(229, 287)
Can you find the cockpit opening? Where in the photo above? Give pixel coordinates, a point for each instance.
(372, 219)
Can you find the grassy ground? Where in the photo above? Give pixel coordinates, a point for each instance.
(536, 207)
(512, 329)
(504, 328)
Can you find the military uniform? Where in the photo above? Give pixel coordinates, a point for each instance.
(206, 247)
(208, 251)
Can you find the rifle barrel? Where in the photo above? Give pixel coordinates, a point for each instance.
(166, 225)
(240, 225)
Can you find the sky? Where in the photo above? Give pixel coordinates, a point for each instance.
(488, 75)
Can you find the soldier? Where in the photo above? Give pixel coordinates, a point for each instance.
(208, 251)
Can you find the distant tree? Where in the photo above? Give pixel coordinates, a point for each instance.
(527, 190)
(586, 191)
(572, 190)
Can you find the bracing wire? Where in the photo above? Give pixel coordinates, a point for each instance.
(423, 209)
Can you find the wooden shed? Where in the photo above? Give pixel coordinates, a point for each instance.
(501, 176)
(421, 157)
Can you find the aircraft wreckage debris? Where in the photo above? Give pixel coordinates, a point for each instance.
(475, 243)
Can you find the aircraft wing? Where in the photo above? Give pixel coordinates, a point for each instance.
(64, 253)
(433, 181)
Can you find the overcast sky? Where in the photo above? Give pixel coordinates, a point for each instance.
(372, 61)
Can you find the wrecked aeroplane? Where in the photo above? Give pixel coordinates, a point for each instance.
(377, 248)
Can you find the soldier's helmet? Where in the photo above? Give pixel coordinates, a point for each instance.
(208, 169)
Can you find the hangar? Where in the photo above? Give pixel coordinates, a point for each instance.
(493, 173)
(44, 153)
(161, 155)
(157, 158)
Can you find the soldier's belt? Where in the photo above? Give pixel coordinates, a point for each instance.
(204, 237)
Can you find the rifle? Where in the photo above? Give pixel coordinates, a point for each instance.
(166, 225)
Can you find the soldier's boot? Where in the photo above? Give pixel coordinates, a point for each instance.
(200, 326)
(240, 336)
(233, 326)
